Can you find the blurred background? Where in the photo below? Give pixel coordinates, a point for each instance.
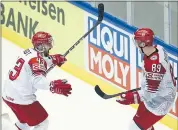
(161, 17)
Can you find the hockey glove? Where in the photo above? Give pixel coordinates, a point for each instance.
(60, 87)
(129, 98)
(58, 59)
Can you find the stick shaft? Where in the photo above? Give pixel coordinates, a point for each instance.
(72, 47)
(106, 96)
(118, 94)
(100, 18)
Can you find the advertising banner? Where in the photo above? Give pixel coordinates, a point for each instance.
(112, 55)
(62, 20)
(107, 57)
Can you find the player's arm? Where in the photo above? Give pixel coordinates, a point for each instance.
(39, 80)
(129, 98)
(54, 60)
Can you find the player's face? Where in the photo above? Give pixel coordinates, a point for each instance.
(137, 43)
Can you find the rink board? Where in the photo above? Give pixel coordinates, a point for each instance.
(107, 57)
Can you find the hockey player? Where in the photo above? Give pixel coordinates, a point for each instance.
(29, 74)
(158, 86)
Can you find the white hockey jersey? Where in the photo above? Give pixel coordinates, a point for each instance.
(26, 77)
(158, 87)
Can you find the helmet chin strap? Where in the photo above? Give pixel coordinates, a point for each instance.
(142, 45)
(142, 49)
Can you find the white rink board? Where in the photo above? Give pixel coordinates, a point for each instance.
(83, 110)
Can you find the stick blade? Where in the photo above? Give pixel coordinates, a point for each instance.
(100, 11)
(99, 92)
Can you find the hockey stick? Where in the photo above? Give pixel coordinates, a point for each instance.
(100, 18)
(106, 96)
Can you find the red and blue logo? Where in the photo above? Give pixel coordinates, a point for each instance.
(109, 54)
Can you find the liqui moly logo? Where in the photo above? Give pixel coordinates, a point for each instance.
(108, 54)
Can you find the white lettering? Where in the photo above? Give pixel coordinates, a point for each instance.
(92, 39)
(95, 59)
(107, 59)
(111, 69)
(116, 78)
(113, 42)
(124, 72)
(108, 45)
